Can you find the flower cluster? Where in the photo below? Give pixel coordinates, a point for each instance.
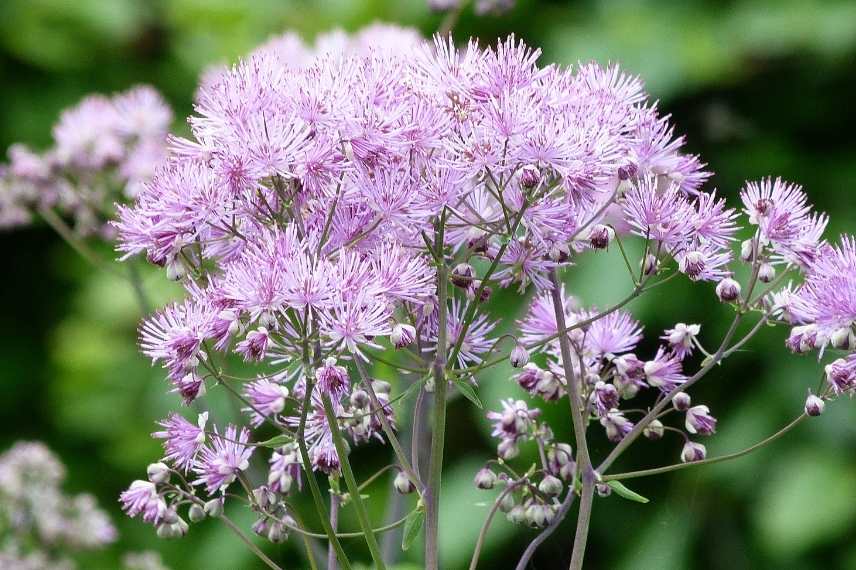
(351, 203)
(104, 149)
(44, 527)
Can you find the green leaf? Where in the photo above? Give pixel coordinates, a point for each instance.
(626, 493)
(469, 392)
(277, 441)
(412, 526)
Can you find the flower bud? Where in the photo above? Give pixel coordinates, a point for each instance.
(650, 264)
(747, 250)
(654, 430)
(360, 399)
(603, 490)
(550, 486)
(485, 479)
(559, 252)
(158, 473)
(175, 270)
(402, 335)
(728, 290)
(693, 264)
(166, 531)
(486, 292)
(195, 513)
(462, 275)
(693, 451)
(381, 386)
(766, 272)
(214, 507)
(700, 421)
(277, 533)
(529, 176)
(516, 515)
(814, 405)
(478, 244)
(519, 356)
(403, 484)
(842, 338)
(681, 402)
(600, 236)
(507, 449)
(507, 503)
(539, 515)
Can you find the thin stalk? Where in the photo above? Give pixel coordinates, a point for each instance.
(334, 523)
(583, 459)
(474, 562)
(709, 461)
(137, 284)
(545, 534)
(351, 482)
(432, 491)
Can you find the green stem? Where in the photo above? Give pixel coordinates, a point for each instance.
(432, 490)
(351, 482)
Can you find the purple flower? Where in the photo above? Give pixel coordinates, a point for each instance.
(267, 399)
(841, 374)
(332, 379)
(219, 463)
(182, 439)
(285, 468)
(175, 336)
(354, 323)
(142, 498)
(664, 372)
(255, 346)
(513, 422)
(475, 342)
(616, 425)
(699, 420)
(604, 397)
(681, 339)
(614, 334)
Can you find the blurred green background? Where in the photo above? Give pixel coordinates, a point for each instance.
(759, 86)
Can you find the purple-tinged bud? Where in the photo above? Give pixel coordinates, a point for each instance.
(616, 425)
(486, 292)
(485, 478)
(605, 397)
(747, 250)
(478, 244)
(842, 338)
(693, 451)
(260, 527)
(728, 290)
(276, 533)
(403, 484)
(332, 379)
(516, 515)
(507, 503)
(462, 275)
(550, 486)
(255, 345)
(360, 399)
(766, 272)
(529, 176)
(195, 513)
(548, 386)
(600, 236)
(700, 421)
(654, 430)
(841, 375)
(650, 265)
(519, 356)
(539, 515)
(627, 172)
(402, 335)
(681, 402)
(175, 270)
(804, 338)
(214, 507)
(814, 405)
(603, 490)
(507, 449)
(529, 377)
(693, 264)
(381, 386)
(560, 252)
(158, 473)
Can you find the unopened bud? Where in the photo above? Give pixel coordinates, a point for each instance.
(158, 473)
(516, 515)
(559, 252)
(462, 275)
(728, 290)
(650, 264)
(747, 250)
(600, 236)
(682, 402)
(814, 405)
(195, 513)
(507, 503)
(519, 356)
(693, 451)
(214, 507)
(360, 399)
(507, 449)
(550, 485)
(403, 484)
(766, 272)
(603, 490)
(529, 176)
(276, 533)
(654, 430)
(842, 338)
(381, 386)
(485, 478)
(175, 270)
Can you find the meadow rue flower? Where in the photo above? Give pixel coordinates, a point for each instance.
(220, 461)
(699, 420)
(182, 439)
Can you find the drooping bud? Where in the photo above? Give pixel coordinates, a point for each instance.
(402, 335)
(462, 275)
(332, 379)
(519, 356)
(158, 473)
(175, 270)
(728, 290)
(814, 406)
(360, 399)
(693, 451)
(507, 503)
(550, 486)
(747, 250)
(681, 402)
(507, 449)
(842, 338)
(600, 236)
(381, 386)
(766, 272)
(603, 490)
(214, 507)
(516, 515)
(485, 478)
(654, 430)
(560, 252)
(403, 484)
(693, 264)
(650, 264)
(539, 515)
(195, 513)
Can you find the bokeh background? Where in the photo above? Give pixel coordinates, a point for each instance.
(759, 86)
